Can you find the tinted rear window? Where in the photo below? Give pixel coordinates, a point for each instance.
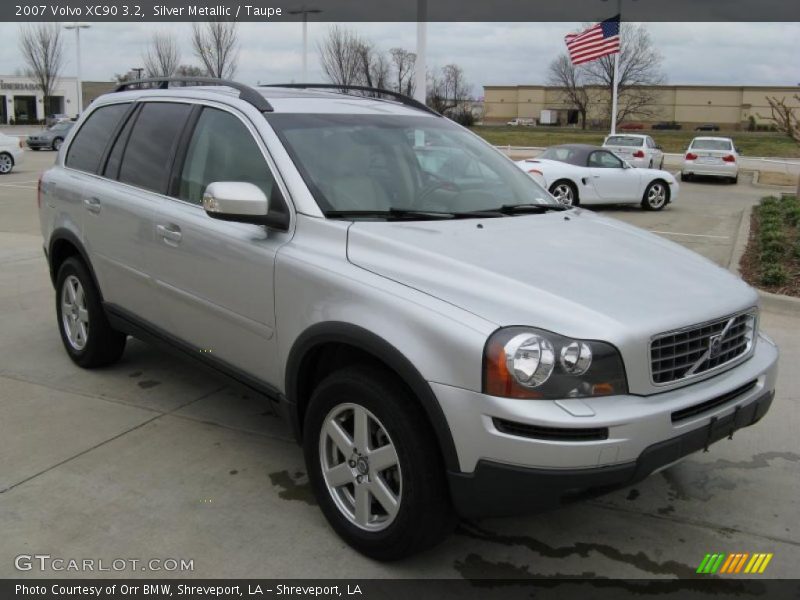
(711, 145)
(87, 148)
(624, 140)
(148, 154)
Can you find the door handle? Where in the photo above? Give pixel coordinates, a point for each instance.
(171, 233)
(92, 204)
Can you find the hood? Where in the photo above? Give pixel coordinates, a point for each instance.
(575, 273)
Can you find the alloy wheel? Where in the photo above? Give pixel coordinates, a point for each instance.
(563, 193)
(6, 163)
(360, 467)
(74, 313)
(656, 195)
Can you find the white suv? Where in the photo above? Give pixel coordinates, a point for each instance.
(422, 312)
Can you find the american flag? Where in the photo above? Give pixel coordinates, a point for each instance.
(599, 40)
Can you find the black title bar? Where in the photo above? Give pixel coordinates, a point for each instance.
(401, 10)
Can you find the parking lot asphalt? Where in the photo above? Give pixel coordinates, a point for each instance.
(154, 458)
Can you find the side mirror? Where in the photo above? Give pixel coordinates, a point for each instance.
(659, 148)
(738, 151)
(236, 201)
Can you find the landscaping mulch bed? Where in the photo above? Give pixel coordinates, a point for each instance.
(772, 259)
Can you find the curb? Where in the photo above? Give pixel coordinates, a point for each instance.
(768, 186)
(769, 301)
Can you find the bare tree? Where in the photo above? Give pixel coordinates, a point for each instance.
(41, 46)
(403, 62)
(373, 66)
(448, 90)
(786, 120)
(639, 71)
(190, 71)
(162, 57)
(571, 82)
(216, 44)
(340, 56)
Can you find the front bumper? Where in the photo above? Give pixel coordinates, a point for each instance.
(641, 435)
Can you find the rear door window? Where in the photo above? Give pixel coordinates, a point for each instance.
(86, 150)
(148, 153)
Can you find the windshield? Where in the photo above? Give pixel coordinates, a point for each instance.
(711, 145)
(383, 163)
(623, 140)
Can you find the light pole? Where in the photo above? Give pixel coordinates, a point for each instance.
(138, 71)
(305, 12)
(420, 68)
(77, 27)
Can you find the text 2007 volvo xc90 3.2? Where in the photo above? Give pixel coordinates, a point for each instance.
(445, 337)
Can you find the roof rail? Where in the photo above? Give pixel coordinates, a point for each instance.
(402, 98)
(246, 93)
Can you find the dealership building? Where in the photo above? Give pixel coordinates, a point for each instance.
(22, 100)
(730, 107)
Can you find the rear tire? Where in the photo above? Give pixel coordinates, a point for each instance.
(88, 338)
(6, 163)
(686, 177)
(421, 514)
(565, 192)
(734, 180)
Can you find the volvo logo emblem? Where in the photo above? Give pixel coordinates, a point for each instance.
(714, 345)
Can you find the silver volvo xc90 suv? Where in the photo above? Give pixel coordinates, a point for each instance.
(444, 337)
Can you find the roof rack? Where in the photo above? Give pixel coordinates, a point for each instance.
(246, 93)
(401, 98)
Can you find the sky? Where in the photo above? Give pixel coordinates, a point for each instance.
(490, 53)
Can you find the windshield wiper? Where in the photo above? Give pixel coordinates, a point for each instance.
(516, 209)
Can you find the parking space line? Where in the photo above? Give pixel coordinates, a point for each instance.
(19, 187)
(19, 182)
(719, 237)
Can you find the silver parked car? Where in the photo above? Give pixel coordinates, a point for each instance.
(51, 138)
(711, 156)
(637, 149)
(436, 337)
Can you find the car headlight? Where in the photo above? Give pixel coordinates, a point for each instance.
(522, 362)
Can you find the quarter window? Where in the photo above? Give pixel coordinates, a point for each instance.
(223, 149)
(90, 143)
(148, 153)
(604, 160)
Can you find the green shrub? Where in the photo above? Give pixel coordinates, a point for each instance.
(770, 237)
(793, 216)
(774, 275)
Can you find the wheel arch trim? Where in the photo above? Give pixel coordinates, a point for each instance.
(63, 234)
(370, 343)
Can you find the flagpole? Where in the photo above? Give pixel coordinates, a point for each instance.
(615, 85)
(614, 88)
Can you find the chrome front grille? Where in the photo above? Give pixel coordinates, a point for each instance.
(691, 351)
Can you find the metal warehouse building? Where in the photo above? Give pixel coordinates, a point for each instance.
(730, 107)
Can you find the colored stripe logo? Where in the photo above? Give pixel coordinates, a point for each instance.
(735, 563)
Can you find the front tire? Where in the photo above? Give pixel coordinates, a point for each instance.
(85, 331)
(656, 196)
(57, 144)
(374, 464)
(6, 163)
(565, 192)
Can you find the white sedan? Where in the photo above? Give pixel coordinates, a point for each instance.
(10, 153)
(582, 174)
(638, 149)
(714, 156)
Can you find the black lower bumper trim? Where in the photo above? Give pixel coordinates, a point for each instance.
(495, 489)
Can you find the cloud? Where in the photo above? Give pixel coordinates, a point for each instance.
(490, 53)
